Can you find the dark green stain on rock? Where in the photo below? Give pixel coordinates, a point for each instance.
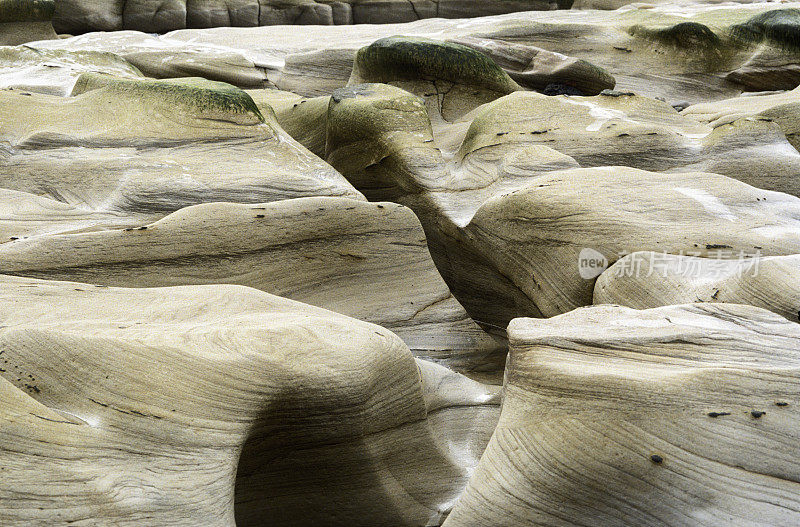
(780, 27)
(412, 58)
(686, 35)
(196, 95)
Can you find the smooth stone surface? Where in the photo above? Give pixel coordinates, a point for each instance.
(476, 185)
(55, 71)
(153, 405)
(643, 280)
(617, 128)
(368, 261)
(536, 235)
(303, 118)
(693, 53)
(782, 108)
(129, 146)
(537, 68)
(24, 214)
(669, 416)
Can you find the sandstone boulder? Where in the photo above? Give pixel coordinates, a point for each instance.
(222, 405)
(642, 280)
(365, 260)
(140, 146)
(681, 415)
(459, 178)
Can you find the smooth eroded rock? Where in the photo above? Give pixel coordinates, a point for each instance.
(681, 415)
(136, 146)
(222, 405)
(643, 280)
(365, 260)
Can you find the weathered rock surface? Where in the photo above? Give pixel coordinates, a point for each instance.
(178, 180)
(303, 118)
(537, 68)
(55, 71)
(495, 195)
(458, 77)
(153, 405)
(535, 235)
(643, 280)
(682, 53)
(369, 261)
(133, 146)
(617, 128)
(682, 415)
(23, 21)
(782, 108)
(79, 16)
(23, 214)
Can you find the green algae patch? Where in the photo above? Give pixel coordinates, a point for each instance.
(686, 35)
(207, 99)
(367, 111)
(27, 10)
(412, 58)
(779, 27)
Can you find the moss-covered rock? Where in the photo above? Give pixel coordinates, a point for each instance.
(414, 58)
(212, 100)
(686, 35)
(780, 27)
(26, 10)
(536, 68)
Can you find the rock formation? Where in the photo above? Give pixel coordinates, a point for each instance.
(535, 235)
(55, 71)
(139, 147)
(369, 261)
(409, 176)
(26, 20)
(642, 280)
(153, 405)
(690, 54)
(781, 108)
(681, 415)
(78, 16)
(494, 212)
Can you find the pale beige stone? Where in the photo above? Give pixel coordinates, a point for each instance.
(195, 405)
(55, 71)
(684, 53)
(507, 211)
(681, 415)
(145, 147)
(782, 108)
(643, 280)
(365, 260)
